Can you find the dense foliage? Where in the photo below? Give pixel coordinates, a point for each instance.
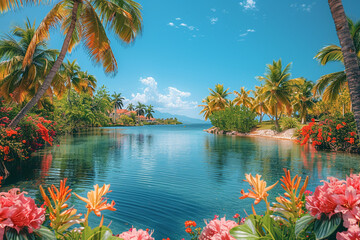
(336, 134)
(234, 118)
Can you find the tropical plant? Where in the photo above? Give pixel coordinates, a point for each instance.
(218, 97)
(236, 118)
(18, 83)
(259, 105)
(351, 61)
(89, 82)
(140, 110)
(207, 108)
(243, 98)
(288, 123)
(303, 100)
(117, 101)
(149, 111)
(278, 89)
(130, 107)
(84, 21)
(331, 85)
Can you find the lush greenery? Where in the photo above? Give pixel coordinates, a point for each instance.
(234, 118)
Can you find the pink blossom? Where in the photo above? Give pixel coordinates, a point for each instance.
(218, 229)
(134, 234)
(353, 233)
(348, 205)
(18, 211)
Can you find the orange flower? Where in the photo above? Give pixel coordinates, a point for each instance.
(339, 126)
(190, 223)
(351, 141)
(258, 189)
(60, 217)
(188, 230)
(95, 201)
(11, 132)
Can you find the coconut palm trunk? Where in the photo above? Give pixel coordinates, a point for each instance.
(47, 82)
(352, 69)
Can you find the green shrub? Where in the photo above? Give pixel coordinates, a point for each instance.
(126, 120)
(235, 118)
(288, 123)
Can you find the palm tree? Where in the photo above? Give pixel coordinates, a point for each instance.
(207, 108)
(149, 111)
(88, 82)
(117, 101)
(140, 110)
(351, 60)
(243, 98)
(86, 21)
(218, 97)
(277, 90)
(303, 99)
(70, 76)
(258, 104)
(130, 107)
(331, 85)
(17, 83)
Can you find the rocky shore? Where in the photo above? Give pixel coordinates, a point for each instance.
(287, 134)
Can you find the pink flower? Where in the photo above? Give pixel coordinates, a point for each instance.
(18, 211)
(218, 229)
(353, 233)
(348, 205)
(134, 234)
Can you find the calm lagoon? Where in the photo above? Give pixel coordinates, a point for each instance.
(161, 176)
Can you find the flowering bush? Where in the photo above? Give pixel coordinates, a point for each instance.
(32, 133)
(19, 212)
(336, 135)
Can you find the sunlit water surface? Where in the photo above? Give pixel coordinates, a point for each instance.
(161, 176)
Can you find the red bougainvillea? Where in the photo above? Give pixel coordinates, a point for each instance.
(330, 134)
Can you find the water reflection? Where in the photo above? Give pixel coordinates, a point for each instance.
(164, 175)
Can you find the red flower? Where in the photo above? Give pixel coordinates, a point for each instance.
(23, 141)
(190, 223)
(352, 133)
(339, 126)
(188, 230)
(11, 132)
(236, 216)
(344, 123)
(313, 119)
(351, 141)
(6, 150)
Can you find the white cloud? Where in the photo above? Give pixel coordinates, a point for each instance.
(178, 19)
(170, 100)
(213, 9)
(247, 32)
(302, 6)
(171, 24)
(248, 4)
(213, 20)
(183, 24)
(191, 28)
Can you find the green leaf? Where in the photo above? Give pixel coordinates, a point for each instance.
(324, 227)
(98, 233)
(45, 233)
(303, 223)
(12, 234)
(245, 231)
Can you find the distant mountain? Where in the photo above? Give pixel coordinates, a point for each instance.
(181, 118)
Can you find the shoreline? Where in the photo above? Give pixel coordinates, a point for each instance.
(265, 133)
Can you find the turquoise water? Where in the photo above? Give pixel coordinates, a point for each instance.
(162, 176)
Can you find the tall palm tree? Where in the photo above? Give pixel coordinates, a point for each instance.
(207, 108)
(258, 104)
(117, 101)
(277, 90)
(85, 21)
(70, 75)
(149, 111)
(303, 99)
(140, 110)
(351, 60)
(218, 97)
(130, 107)
(17, 83)
(331, 85)
(243, 98)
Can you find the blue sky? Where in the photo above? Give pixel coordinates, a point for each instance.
(188, 46)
